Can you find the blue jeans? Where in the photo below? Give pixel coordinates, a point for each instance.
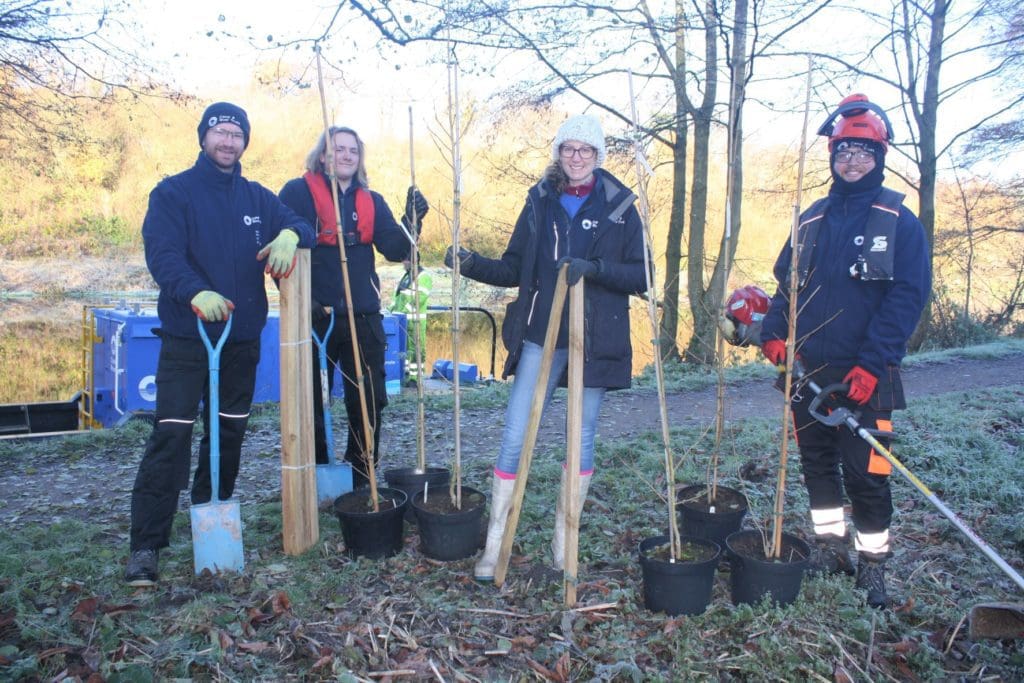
(517, 415)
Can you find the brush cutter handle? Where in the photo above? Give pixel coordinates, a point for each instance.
(325, 387)
(834, 415)
(213, 354)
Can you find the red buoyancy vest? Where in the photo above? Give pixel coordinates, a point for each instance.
(323, 200)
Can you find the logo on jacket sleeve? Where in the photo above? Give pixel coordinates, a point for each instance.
(251, 220)
(879, 243)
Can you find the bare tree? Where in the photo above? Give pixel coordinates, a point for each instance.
(586, 48)
(55, 56)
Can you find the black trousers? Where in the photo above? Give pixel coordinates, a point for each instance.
(372, 343)
(182, 381)
(834, 458)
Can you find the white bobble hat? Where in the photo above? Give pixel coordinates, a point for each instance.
(584, 128)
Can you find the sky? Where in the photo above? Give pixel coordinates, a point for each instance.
(378, 87)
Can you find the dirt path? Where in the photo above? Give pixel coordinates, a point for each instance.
(65, 482)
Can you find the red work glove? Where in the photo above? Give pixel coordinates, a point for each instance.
(862, 385)
(775, 351)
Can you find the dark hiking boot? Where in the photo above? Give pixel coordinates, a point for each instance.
(831, 556)
(871, 578)
(141, 571)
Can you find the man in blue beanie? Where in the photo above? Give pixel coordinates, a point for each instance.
(210, 237)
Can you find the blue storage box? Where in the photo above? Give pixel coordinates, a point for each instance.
(444, 369)
(125, 360)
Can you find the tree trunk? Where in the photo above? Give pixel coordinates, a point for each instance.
(674, 246)
(701, 348)
(669, 331)
(927, 165)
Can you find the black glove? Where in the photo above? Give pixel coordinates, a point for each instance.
(320, 311)
(415, 205)
(578, 268)
(465, 258)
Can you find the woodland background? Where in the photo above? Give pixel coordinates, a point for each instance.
(90, 120)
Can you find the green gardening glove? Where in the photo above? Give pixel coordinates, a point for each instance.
(211, 306)
(280, 254)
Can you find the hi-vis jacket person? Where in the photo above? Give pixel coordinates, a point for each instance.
(864, 279)
(367, 226)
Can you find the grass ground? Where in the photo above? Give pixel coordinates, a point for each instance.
(64, 611)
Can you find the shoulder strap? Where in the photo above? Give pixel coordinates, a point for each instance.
(323, 202)
(807, 237)
(365, 215)
(877, 253)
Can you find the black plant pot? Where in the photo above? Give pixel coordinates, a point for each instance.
(447, 533)
(367, 533)
(753, 576)
(411, 480)
(698, 521)
(683, 586)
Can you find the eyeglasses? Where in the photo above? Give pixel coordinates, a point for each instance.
(586, 153)
(861, 156)
(225, 134)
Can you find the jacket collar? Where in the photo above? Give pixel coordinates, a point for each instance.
(212, 174)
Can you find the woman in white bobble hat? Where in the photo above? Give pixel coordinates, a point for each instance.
(581, 215)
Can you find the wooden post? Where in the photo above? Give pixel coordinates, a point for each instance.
(573, 442)
(300, 522)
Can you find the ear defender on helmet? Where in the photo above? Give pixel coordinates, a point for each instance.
(744, 311)
(857, 118)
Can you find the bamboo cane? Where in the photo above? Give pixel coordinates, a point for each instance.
(726, 257)
(530, 437)
(780, 489)
(455, 131)
(368, 443)
(573, 444)
(659, 372)
(414, 269)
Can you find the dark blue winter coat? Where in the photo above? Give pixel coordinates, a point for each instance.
(388, 237)
(203, 230)
(844, 321)
(608, 354)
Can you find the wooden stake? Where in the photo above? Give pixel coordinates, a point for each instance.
(530, 438)
(775, 550)
(300, 521)
(573, 443)
(652, 314)
(368, 442)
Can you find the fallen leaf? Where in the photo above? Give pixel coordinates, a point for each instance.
(280, 603)
(841, 675)
(113, 610)
(906, 607)
(562, 668)
(85, 610)
(255, 647)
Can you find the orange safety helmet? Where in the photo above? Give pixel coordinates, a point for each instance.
(858, 118)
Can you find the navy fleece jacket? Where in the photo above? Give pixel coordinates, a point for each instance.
(203, 230)
(844, 321)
